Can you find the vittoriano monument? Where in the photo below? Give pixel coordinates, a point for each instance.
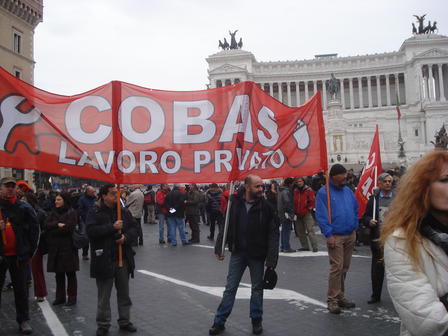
(422, 29)
(233, 44)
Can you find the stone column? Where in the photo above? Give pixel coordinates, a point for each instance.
(342, 94)
(271, 89)
(387, 90)
(288, 89)
(324, 94)
(298, 93)
(307, 95)
(378, 90)
(431, 83)
(361, 99)
(350, 86)
(425, 81)
(280, 91)
(314, 87)
(369, 90)
(442, 88)
(397, 88)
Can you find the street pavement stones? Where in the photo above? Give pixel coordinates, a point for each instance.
(182, 297)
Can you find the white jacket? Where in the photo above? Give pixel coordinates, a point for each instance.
(415, 294)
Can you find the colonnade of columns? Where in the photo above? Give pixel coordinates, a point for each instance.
(355, 92)
(434, 82)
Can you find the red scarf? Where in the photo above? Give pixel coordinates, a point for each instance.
(12, 199)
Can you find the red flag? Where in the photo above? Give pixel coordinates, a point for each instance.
(124, 133)
(371, 170)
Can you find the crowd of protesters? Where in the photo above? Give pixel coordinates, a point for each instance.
(37, 224)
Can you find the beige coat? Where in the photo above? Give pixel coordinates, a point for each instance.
(415, 294)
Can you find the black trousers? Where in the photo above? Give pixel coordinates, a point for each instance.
(18, 272)
(377, 270)
(72, 286)
(215, 218)
(139, 231)
(193, 221)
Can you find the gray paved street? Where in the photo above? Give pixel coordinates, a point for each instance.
(176, 291)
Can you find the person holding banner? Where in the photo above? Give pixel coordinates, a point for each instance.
(374, 217)
(340, 233)
(415, 240)
(20, 234)
(106, 233)
(253, 239)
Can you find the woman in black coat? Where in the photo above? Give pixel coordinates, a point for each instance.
(62, 255)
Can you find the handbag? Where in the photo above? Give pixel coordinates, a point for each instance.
(80, 238)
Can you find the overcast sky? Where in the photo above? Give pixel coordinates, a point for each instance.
(162, 44)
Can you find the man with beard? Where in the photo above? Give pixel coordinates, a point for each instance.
(20, 234)
(382, 198)
(253, 238)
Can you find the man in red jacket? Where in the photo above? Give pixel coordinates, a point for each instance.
(162, 211)
(304, 200)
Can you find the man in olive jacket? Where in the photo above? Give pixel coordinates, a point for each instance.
(253, 238)
(106, 233)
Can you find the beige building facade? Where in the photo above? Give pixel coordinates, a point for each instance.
(370, 85)
(18, 20)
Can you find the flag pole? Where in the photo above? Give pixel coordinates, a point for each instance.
(327, 183)
(373, 192)
(226, 221)
(120, 249)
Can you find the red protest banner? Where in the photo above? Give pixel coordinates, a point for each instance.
(124, 133)
(371, 170)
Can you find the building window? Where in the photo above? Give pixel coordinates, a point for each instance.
(17, 42)
(17, 73)
(218, 83)
(416, 132)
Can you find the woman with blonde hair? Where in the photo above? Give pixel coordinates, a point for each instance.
(415, 238)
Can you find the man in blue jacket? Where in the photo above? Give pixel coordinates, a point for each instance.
(340, 233)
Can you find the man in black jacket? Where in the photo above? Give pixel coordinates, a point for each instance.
(176, 202)
(382, 199)
(20, 234)
(253, 238)
(106, 234)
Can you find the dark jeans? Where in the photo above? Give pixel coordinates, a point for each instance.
(121, 279)
(377, 270)
(18, 273)
(215, 218)
(72, 286)
(237, 266)
(193, 221)
(285, 235)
